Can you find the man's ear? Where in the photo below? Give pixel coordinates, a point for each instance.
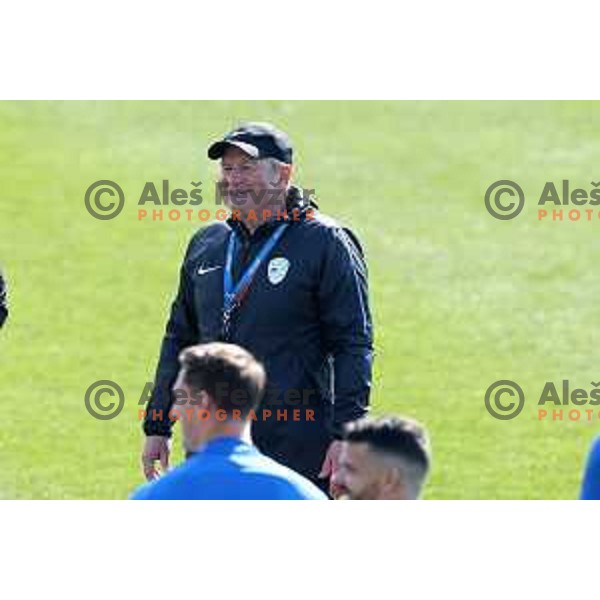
(284, 176)
(206, 402)
(391, 480)
(288, 172)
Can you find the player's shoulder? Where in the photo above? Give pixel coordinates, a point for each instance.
(256, 477)
(290, 485)
(595, 449)
(158, 489)
(180, 482)
(300, 488)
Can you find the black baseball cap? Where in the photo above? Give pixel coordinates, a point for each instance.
(259, 140)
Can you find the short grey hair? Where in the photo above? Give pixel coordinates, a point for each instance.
(272, 166)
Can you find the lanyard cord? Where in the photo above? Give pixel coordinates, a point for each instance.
(233, 296)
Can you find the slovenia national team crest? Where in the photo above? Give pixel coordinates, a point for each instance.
(278, 268)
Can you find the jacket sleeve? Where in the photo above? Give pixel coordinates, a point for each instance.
(181, 331)
(3, 301)
(346, 325)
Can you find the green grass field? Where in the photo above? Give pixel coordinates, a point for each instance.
(459, 298)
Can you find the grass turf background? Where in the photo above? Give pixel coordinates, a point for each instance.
(459, 299)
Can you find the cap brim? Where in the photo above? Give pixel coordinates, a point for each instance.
(217, 149)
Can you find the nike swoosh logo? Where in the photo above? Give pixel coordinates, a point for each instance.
(202, 270)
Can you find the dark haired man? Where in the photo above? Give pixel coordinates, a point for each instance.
(382, 459)
(218, 387)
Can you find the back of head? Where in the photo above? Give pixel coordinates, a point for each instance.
(230, 375)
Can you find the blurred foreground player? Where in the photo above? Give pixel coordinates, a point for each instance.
(217, 389)
(590, 488)
(382, 459)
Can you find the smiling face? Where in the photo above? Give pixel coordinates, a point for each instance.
(360, 475)
(251, 184)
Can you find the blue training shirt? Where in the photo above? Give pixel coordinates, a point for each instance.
(229, 469)
(590, 488)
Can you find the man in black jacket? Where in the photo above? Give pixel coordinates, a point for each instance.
(288, 284)
(3, 301)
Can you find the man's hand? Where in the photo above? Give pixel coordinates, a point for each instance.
(330, 465)
(157, 447)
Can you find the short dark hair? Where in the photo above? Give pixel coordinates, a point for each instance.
(230, 375)
(397, 436)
